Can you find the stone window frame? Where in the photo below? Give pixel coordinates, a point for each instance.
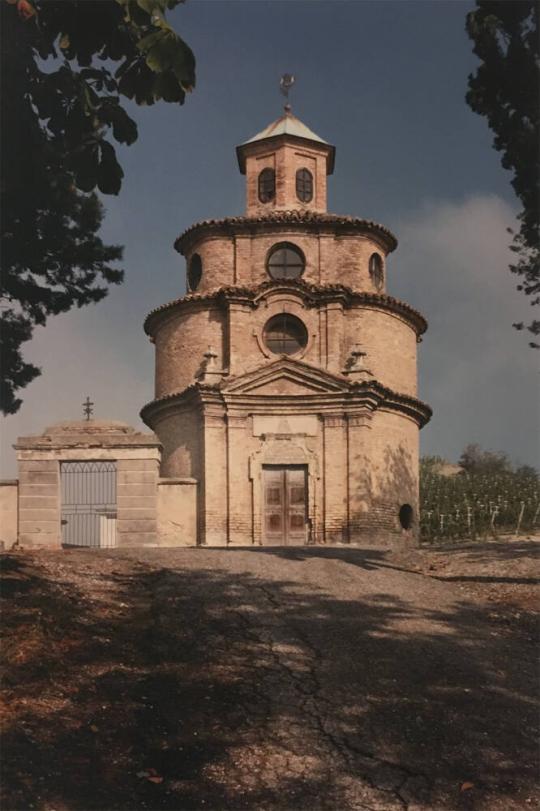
(289, 246)
(294, 320)
(194, 275)
(304, 185)
(274, 305)
(266, 185)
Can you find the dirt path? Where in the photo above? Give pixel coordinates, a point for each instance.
(270, 680)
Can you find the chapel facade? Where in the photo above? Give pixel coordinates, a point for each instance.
(286, 381)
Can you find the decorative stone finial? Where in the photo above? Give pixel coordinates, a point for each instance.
(355, 366)
(210, 373)
(210, 356)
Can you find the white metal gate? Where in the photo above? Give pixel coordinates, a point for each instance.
(88, 504)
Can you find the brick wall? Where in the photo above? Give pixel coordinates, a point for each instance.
(181, 342)
(285, 159)
(330, 259)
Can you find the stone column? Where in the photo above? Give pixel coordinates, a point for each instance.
(39, 501)
(240, 518)
(359, 461)
(327, 251)
(238, 334)
(136, 523)
(242, 260)
(334, 331)
(213, 497)
(335, 479)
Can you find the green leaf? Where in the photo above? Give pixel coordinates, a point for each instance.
(148, 42)
(123, 127)
(167, 87)
(109, 174)
(152, 6)
(85, 163)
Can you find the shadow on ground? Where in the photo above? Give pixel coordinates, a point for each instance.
(137, 687)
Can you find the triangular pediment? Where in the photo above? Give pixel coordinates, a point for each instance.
(286, 377)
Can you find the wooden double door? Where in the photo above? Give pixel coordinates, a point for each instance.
(285, 504)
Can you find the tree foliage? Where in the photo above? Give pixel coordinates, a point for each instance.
(66, 64)
(476, 460)
(505, 90)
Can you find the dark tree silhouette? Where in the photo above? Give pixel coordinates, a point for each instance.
(505, 89)
(65, 66)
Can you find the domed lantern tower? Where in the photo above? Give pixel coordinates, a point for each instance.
(286, 376)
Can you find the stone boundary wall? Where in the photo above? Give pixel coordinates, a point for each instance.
(9, 503)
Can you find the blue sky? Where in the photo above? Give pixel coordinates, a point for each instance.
(385, 82)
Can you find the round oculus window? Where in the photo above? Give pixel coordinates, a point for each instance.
(285, 334)
(286, 261)
(194, 273)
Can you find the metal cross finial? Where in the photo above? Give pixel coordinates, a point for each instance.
(285, 84)
(87, 408)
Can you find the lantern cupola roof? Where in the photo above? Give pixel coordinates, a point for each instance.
(287, 128)
(287, 124)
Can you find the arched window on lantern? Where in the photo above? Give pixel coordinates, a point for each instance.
(267, 185)
(376, 270)
(194, 273)
(304, 185)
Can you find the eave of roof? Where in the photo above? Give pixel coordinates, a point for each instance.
(314, 292)
(287, 127)
(312, 219)
(372, 390)
(287, 124)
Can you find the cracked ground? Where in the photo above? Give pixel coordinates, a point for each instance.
(270, 679)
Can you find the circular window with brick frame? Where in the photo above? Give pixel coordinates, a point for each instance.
(285, 334)
(285, 261)
(194, 274)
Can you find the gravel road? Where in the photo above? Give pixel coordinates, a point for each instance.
(269, 679)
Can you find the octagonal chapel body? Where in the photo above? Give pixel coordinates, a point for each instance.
(286, 380)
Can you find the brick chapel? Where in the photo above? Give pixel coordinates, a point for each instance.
(286, 382)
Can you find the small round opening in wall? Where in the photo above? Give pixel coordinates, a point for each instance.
(285, 334)
(285, 261)
(406, 514)
(194, 273)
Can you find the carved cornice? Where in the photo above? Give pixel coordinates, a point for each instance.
(367, 395)
(313, 295)
(311, 220)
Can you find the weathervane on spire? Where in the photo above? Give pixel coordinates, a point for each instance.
(87, 408)
(285, 84)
